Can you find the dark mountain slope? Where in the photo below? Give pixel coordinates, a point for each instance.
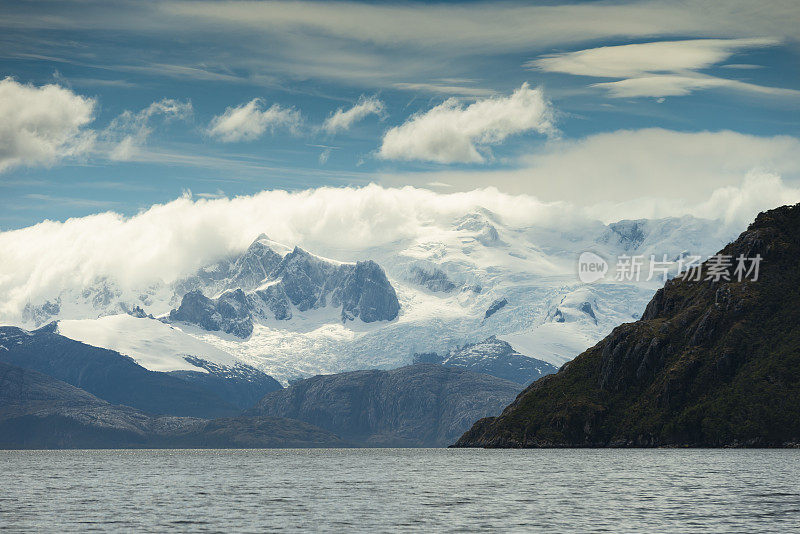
(709, 364)
(118, 379)
(417, 405)
(38, 411)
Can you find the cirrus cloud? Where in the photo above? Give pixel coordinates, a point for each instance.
(637, 59)
(42, 125)
(658, 69)
(133, 129)
(451, 133)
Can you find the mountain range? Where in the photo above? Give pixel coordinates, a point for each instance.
(293, 314)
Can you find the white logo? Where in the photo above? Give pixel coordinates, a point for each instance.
(591, 267)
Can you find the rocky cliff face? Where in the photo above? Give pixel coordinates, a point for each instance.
(493, 357)
(710, 363)
(297, 281)
(418, 405)
(229, 312)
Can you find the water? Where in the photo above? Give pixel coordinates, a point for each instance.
(390, 490)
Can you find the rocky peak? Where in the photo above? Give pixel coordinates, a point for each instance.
(630, 234)
(297, 281)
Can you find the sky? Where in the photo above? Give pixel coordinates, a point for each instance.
(620, 109)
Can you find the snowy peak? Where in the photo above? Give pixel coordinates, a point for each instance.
(245, 271)
(481, 224)
(297, 282)
(576, 306)
(494, 357)
(628, 235)
(657, 236)
(257, 263)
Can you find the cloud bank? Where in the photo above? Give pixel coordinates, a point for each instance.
(249, 121)
(42, 125)
(174, 239)
(451, 133)
(630, 164)
(343, 120)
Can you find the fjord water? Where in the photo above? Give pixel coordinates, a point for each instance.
(373, 490)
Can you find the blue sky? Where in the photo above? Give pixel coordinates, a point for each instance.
(580, 102)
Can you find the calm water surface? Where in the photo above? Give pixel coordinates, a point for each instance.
(390, 490)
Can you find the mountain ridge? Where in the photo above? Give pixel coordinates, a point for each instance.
(421, 405)
(120, 380)
(38, 411)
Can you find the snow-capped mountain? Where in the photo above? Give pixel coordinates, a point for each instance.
(296, 282)
(294, 313)
(494, 357)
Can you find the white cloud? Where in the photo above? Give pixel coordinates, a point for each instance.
(658, 69)
(661, 85)
(249, 121)
(735, 206)
(174, 239)
(343, 120)
(627, 61)
(41, 125)
(451, 133)
(129, 131)
(631, 164)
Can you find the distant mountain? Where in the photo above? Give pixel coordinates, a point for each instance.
(40, 412)
(418, 405)
(494, 357)
(297, 281)
(294, 312)
(714, 362)
(211, 391)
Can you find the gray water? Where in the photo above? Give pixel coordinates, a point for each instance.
(390, 490)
